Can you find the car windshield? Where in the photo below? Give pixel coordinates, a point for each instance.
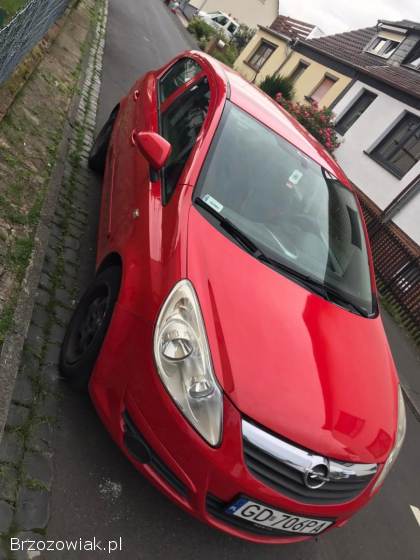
(288, 206)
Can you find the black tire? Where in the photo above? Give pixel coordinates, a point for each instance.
(88, 327)
(99, 150)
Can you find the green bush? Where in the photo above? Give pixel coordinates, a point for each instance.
(201, 30)
(242, 37)
(273, 85)
(228, 55)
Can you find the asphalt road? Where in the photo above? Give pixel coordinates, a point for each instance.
(98, 493)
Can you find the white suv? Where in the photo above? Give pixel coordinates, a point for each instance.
(221, 22)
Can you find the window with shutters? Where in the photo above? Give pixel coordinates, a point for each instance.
(399, 151)
(355, 111)
(322, 89)
(261, 55)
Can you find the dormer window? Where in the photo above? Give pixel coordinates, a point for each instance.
(413, 59)
(381, 46)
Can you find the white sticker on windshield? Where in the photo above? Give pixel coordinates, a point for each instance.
(295, 177)
(208, 199)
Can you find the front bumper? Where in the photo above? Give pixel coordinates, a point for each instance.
(134, 405)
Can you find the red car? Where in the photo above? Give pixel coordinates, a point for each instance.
(231, 341)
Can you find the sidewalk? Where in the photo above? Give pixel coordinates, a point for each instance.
(26, 449)
(407, 359)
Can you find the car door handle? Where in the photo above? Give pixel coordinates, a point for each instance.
(136, 95)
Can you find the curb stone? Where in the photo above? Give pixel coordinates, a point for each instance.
(26, 450)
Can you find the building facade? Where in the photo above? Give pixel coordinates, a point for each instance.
(367, 145)
(313, 80)
(271, 46)
(378, 114)
(249, 12)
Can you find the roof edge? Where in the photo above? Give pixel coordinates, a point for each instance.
(360, 69)
(275, 33)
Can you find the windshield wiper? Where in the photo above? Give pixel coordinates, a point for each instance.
(231, 228)
(341, 299)
(256, 252)
(325, 291)
(302, 278)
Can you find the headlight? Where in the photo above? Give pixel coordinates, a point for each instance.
(398, 441)
(184, 364)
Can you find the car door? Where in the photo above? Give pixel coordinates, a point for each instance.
(128, 169)
(181, 119)
(180, 125)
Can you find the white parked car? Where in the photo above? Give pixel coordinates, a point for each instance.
(221, 22)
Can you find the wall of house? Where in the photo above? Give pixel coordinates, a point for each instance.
(312, 77)
(379, 184)
(250, 12)
(272, 64)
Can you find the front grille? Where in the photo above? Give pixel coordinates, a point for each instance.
(141, 450)
(217, 507)
(287, 479)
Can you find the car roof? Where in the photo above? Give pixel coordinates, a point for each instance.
(254, 101)
(221, 13)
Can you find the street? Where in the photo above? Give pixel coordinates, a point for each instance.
(97, 492)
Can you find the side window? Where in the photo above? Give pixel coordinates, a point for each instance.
(221, 20)
(399, 151)
(181, 72)
(232, 28)
(180, 125)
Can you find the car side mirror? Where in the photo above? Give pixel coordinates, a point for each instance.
(154, 148)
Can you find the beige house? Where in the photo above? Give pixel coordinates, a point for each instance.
(250, 12)
(271, 47)
(313, 80)
(283, 49)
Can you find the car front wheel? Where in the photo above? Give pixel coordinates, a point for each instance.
(88, 327)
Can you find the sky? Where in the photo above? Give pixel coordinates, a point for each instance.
(335, 16)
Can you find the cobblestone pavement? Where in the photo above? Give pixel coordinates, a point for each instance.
(26, 449)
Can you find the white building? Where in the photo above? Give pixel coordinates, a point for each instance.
(361, 155)
(378, 117)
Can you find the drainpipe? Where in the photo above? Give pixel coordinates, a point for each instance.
(401, 200)
(289, 47)
(255, 77)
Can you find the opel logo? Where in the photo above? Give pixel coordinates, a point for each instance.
(316, 476)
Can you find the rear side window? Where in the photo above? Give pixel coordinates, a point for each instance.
(181, 73)
(232, 28)
(180, 125)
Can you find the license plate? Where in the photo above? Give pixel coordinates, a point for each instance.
(275, 519)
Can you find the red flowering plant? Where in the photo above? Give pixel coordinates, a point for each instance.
(319, 122)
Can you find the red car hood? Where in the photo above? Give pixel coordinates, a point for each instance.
(292, 362)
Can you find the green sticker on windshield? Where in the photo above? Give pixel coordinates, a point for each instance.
(208, 199)
(295, 177)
